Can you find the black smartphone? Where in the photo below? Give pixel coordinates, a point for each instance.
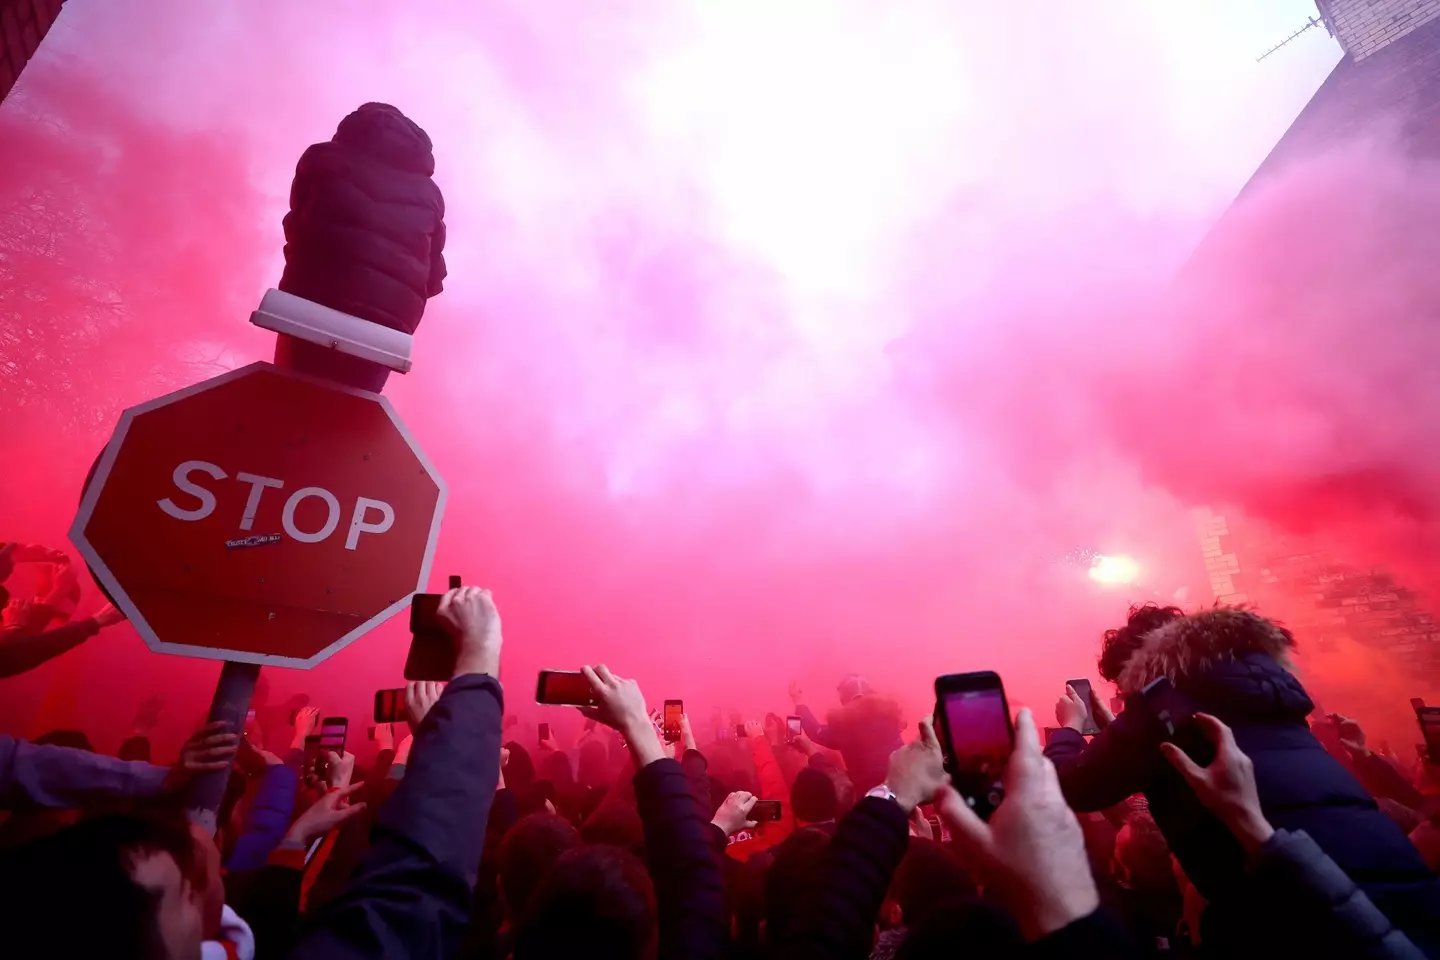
(1082, 689)
(1417, 704)
(432, 649)
(332, 733)
(1176, 716)
(544, 733)
(670, 721)
(390, 705)
(370, 733)
(976, 735)
(765, 810)
(793, 729)
(740, 731)
(564, 687)
(314, 758)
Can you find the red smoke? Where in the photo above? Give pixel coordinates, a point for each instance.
(692, 426)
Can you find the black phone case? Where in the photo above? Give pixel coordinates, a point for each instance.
(432, 651)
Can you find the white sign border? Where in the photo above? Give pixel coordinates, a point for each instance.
(122, 600)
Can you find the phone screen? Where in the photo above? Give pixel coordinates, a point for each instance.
(671, 721)
(332, 733)
(978, 736)
(544, 732)
(1429, 718)
(765, 810)
(390, 705)
(793, 728)
(564, 687)
(1082, 689)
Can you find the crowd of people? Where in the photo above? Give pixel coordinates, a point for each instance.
(1288, 835)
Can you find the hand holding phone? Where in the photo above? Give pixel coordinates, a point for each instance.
(975, 735)
(1176, 716)
(764, 810)
(1226, 784)
(793, 729)
(1080, 693)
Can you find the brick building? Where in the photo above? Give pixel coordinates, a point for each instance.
(1389, 79)
(23, 24)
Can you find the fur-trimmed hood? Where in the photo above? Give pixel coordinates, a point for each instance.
(1191, 645)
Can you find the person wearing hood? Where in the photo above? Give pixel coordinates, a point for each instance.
(865, 729)
(365, 234)
(1235, 665)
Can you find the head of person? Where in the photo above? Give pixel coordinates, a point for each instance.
(556, 768)
(1188, 646)
(1118, 643)
(527, 853)
(852, 685)
(130, 878)
(813, 797)
(928, 880)
(519, 769)
(1142, 857)
(617, 824)
(798, 867)
(595, 902)
(967, 927)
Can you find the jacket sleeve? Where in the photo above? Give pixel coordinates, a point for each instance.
(814, 729)
(20, 652)
(1111, 767)
(1095, 935)
(1307, 891)
(63, 778)
(837, 918)
(689, 891)
(269, 818)
(1382, 780)
(270, 901)
(772, 787)
(411, 895)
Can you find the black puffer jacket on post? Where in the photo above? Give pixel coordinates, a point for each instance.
(366, 228)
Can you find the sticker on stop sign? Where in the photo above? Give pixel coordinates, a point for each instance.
(261, 516)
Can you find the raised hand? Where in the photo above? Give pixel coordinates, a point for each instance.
(1070, 710)
(211, 748)
(1031, 850)
(108, 616)
(324, 815)
(917, 770)
(620, 705)
(469, 613)
(1227, 785)
(420, 696)
(734, 814)
(306, 719)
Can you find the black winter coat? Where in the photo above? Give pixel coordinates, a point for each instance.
(1301, 787)
(366, 229)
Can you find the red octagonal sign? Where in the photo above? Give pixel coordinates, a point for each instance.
(261, 516)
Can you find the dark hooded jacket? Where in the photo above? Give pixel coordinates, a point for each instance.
(366, 229)
(1234, 665)
(866, 730)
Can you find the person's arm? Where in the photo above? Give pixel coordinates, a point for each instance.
(411, 895)
(837, 918)
(61, 778)
(21, 652)
(819, 734)
(1111, 767)
(689, 888)
(772, 786)
(269, 817)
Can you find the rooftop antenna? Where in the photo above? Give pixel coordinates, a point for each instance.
(1309, 25)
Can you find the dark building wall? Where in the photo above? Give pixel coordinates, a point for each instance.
(23, 24)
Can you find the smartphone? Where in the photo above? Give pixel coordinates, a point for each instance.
(1417, 704)
(544, 733)
(1176, 715)
(793, 729)
(564, 687)
(765, 810)
(1082, 687)
(332, 733)
(432, 649)
(370, 733)
(670, 720)
(390, 705)
(314, 758)
(740, 731)
(976, 735)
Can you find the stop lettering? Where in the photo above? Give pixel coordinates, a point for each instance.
(261, 516)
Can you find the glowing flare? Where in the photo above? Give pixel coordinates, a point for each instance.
(1111, 571)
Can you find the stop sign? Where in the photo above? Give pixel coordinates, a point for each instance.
(260, 516)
